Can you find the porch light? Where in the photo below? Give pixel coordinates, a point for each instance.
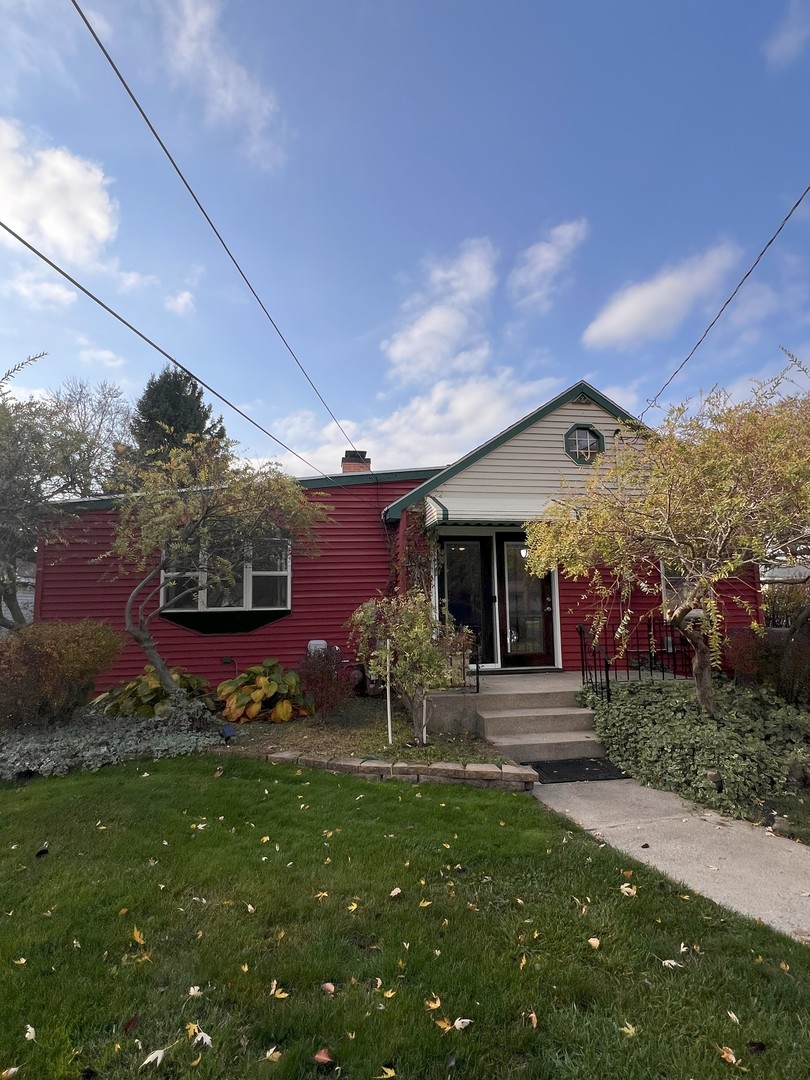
(524, 551)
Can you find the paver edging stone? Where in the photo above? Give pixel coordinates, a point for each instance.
(476, 774)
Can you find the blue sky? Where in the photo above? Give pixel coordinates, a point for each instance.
(453, 210)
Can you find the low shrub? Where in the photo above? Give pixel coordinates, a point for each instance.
(655, 732)
(774, 660)
(146, 695)
(265, 691)
(327, 679)
(89, 739)
(48, 669)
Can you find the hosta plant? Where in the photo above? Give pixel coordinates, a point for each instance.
(146, 695)
(265, 691)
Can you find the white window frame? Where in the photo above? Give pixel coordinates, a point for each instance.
(248, 573)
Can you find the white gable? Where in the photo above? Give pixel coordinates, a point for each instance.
(517, 478)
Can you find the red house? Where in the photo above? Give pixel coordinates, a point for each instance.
(474, 508)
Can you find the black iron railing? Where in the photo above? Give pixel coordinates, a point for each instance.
(653, 649)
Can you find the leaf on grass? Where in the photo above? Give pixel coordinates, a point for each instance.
(395, 892)
(123, 911)
(328, 988)
(628, 1030)
(671, 964)
(280, 994)
(460, 1023)
(531, 1016)
(6, 1074)
(522, 963)
(194, 991)
(594, 942)
(19, 962)
(196, 1060)
(727, 1054)
(352, 906)
(425, 903)
(30, 1033)
(137, 936)
(350, 1035)
(321, 895)
(322, 1056)
(386, 1073)
(785, 967)
(444, 1024)
(627, 873)
(733, 1017)
(202, 1039)
(434, 1002)
(245, 967)
(273, 1054)
(191, 1029)
(628, 890)
(389, 993)
(155, 1058)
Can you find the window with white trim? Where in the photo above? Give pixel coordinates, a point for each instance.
(260, 582)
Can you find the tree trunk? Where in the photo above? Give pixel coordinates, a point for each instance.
(138, 629)
(701, 666)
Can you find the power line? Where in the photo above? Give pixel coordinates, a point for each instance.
(739, 285)
(152, 344)
(205, 214)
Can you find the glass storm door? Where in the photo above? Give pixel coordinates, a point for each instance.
(465, 586)
(525, 609)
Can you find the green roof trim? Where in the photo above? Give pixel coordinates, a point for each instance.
(339, 480)
(582, 388)
(351, 479)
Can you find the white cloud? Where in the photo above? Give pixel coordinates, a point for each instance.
(652, 310)
(55, 199)
(790, 36)
(132, 280)
(181, 303)
(38, 293)
(625, 394)
(444, 325)
(536, 277)
(101, 358)
(431, 429)
(201, 56)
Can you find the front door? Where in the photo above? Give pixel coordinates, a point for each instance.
(466, 588)
(525, 608)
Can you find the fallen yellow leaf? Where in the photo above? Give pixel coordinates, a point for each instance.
(628, 1030)
(389, 993)
(196, 1060)
(244, 967)
(445, 1024)
(425, 903)
(386, 1074)
(352, 906)
(434, 1002)
(137, 936)
(727, 1054)
(594, 942)
(522, 963)
(785, 967)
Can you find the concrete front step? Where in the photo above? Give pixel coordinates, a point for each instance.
(515, 721)
(550, 746)
(489, 700)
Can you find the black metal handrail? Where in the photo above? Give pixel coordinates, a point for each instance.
(653, 649)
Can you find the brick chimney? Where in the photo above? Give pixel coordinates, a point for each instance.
(355, 461)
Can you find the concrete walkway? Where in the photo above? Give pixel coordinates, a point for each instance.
(739, 865)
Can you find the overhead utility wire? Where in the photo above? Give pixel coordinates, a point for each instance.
(740, 284)
(139, 333)
(205, 214)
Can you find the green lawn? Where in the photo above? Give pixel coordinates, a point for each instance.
(262, 885)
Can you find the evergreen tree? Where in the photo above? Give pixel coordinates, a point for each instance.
(171, 408)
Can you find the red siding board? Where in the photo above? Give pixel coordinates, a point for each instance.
(75, 581)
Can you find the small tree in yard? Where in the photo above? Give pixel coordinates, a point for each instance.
(716, 491)
(405, 632)
(189, 524)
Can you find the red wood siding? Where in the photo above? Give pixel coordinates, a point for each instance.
(353, 564)
(739, 597)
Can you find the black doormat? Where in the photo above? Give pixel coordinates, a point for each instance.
(569, 771)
